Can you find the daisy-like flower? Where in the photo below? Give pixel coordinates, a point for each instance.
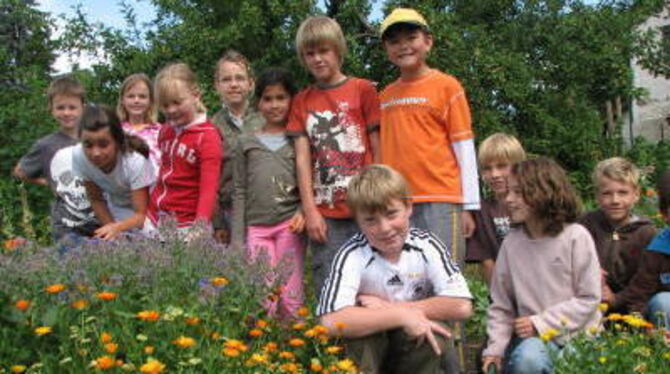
(230, 352)
(148, 315)
(152, 367)
(296, 342)
(286, 355)
(270, 347)
(105, 337)
(79, 304)
(261, 324)
(298, 326)
(235, 344)
(105, 363)
(258, 358)
(106, 295)
(315, 365)
(219, 281)
(303, 311)
(334, 349)
(255, 333)
(55, 288)
(111, 348)
(18, 369)
(149, 349)
(549, 335)
(22, 305)
(347, 365)
(42, 330)
(184, 342)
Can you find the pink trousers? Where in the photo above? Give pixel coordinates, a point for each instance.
(281, 246)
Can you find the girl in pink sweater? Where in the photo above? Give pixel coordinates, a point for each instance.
(546, 282)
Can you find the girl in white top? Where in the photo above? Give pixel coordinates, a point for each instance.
(116, 172)
(546, 282)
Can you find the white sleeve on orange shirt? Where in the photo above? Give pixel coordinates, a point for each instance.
(467, 164)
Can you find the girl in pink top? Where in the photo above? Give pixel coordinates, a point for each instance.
(546, 282)
(136, 109)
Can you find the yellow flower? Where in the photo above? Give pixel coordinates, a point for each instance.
(184, 342)
(303, 311)
(105, 363)
(270, 347)
(192, 321)
(347, 365)
(230, 352)
(615, 317)
(106, 295)
(235, 344)
(321, 329)
(42, 330)
(18, 368)
(298, 326)
(255, 333)
(258, 358)
(286, 355)
(111, 347)
(148, 315)
(334, 349)
(666, 355)
(603, 307)
(219, 281)
(149, 349)
(602, 359)
(310, 333)
(105, 337)
(152, 367)
(22, 305)
(296, 342)
(315, 365)
(55, 288)
(79, 304)
(215, 335)
(261, 324)
(288, 367)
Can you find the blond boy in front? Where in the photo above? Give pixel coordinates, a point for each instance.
(391, 286)
(334, 125)
(497, 154)
(619, 234)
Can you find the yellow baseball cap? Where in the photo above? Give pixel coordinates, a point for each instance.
(402, 15)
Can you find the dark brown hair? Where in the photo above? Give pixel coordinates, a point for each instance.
(663, 188)
(97, 117)
(547, 191)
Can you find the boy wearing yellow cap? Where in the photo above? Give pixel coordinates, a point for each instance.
(426, 135)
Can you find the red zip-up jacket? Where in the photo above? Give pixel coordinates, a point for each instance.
(188, 179)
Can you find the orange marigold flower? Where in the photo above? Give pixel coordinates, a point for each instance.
(184, 342)
(106, 295)
(149, 349)
(43, 330)
(298, 326)
(55, 288)
(650, 192)
(148, 315)
(215, 335)
(230, 352)
(258, 358)
(334, 349)
(320, 329)
(219, 281)
(346, 364)
(18, 368)
(615, 317)
(105, 363)
(152, 367)
(255, 333)
(235, 344)
(12, 244)
(270, 347)
(79, 304)
(111, 347)
(192, 321)
(22, 305)
(310, 333)
(261, 324)
(296, 342)
(105, 337)
(303, 311)
(289, 367)
(315, 365)
(286, 355)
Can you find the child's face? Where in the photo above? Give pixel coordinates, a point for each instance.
(233, 83)
(519, 210)
(181, 107)
(137, 100)
(408, 48)
(323, 63)
(274, 104)
(100, 148)
(616, 199)
(67, 111)
(495, 175)
(386, 231)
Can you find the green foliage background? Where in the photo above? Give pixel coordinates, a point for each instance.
(542, 70)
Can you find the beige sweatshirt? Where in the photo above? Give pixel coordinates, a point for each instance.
(554, 280)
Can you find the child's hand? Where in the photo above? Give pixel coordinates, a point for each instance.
(607, 294)
(419, 327)
(222, 236)
(468, 223)
(297, 224)
(316, 226)
(524, 328)
(107, 232)
(372, 302)
(488, 360)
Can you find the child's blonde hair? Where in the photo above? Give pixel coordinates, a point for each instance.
(172, 80)
(318, 30)
(67, 85)
(500, 147)
(617, 169)
(236, 57)
(375, 187)
(151, 114)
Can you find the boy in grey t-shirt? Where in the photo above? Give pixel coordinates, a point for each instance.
(71, 212)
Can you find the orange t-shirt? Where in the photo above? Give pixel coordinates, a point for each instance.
(336, 121)
(420, 120)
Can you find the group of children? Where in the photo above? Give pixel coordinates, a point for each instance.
(384, 187)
